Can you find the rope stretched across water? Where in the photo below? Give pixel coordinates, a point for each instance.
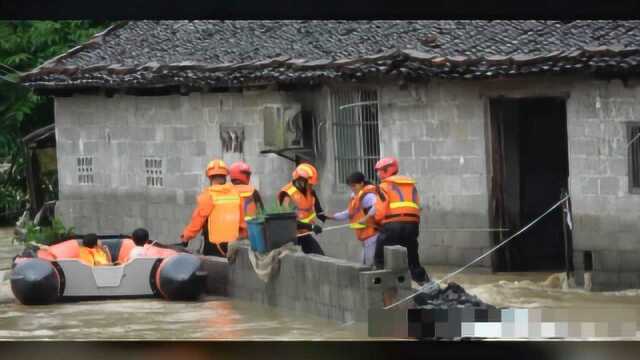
(431, 285)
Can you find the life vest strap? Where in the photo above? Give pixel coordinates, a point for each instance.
(357, 226)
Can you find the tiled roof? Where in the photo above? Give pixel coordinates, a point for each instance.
(236, 53)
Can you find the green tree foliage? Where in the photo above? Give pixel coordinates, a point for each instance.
(25, 45)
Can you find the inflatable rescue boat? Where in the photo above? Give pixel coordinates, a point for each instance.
(44, 275)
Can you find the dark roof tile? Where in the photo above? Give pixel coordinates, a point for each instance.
(220, 53)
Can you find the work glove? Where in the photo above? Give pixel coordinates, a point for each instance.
(322, 217)
(317, 229)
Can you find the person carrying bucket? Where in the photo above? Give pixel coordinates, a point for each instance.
(360, 214)
(218, 213)
(240, 175)
(298, 192)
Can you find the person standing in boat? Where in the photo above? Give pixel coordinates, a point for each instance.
(218, 213)
(360, 214)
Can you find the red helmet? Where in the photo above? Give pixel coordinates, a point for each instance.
(240, 170)
(386, 167)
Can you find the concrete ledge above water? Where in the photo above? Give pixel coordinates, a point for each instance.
(327, 287)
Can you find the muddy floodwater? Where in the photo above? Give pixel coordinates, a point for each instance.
(221, 318)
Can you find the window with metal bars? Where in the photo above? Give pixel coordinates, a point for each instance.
(85, 170)
(634, 157)
(153, 172)
(356, 132)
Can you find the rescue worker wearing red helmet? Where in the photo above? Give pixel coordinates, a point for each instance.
(298, 193)
(218, 213)
(397, 211)
(240, 175)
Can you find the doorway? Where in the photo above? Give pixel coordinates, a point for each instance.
(530, 169)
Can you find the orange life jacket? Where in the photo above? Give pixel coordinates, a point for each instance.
(249, 205)
(68, 249)
(356, 213)
(305, 204)
(397, 201)
(125, 249)
(95, 256)
(224, 221)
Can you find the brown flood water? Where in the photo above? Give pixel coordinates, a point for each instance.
(221, 318)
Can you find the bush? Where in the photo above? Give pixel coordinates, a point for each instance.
(47, 235)
(12, 204)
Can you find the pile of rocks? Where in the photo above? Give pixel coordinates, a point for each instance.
(453, 295)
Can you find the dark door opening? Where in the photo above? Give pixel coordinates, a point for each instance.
(530, 169)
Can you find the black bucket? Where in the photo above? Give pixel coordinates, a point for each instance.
(279, 229)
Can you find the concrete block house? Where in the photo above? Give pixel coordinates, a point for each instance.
(493, 118)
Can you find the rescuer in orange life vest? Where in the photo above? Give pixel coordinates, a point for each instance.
(313, 181)
(218, 213)
(398, 213)
(240, 174)
(360, 214)
(299, 193)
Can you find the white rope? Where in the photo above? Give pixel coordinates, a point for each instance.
(326, 229)
(450, 275)
(464, 229)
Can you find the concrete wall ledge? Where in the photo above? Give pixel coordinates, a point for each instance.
(331, 288)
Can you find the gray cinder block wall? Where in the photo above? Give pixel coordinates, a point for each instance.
(437, 133)
(437, 130)
(606, 215)
(120, 132)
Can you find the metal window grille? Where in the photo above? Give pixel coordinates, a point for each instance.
(154, 172)
(356, 131)
(85, 170)
(634, 158)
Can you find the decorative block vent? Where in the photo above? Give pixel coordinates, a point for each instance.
(85, 170)
(154, 172)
